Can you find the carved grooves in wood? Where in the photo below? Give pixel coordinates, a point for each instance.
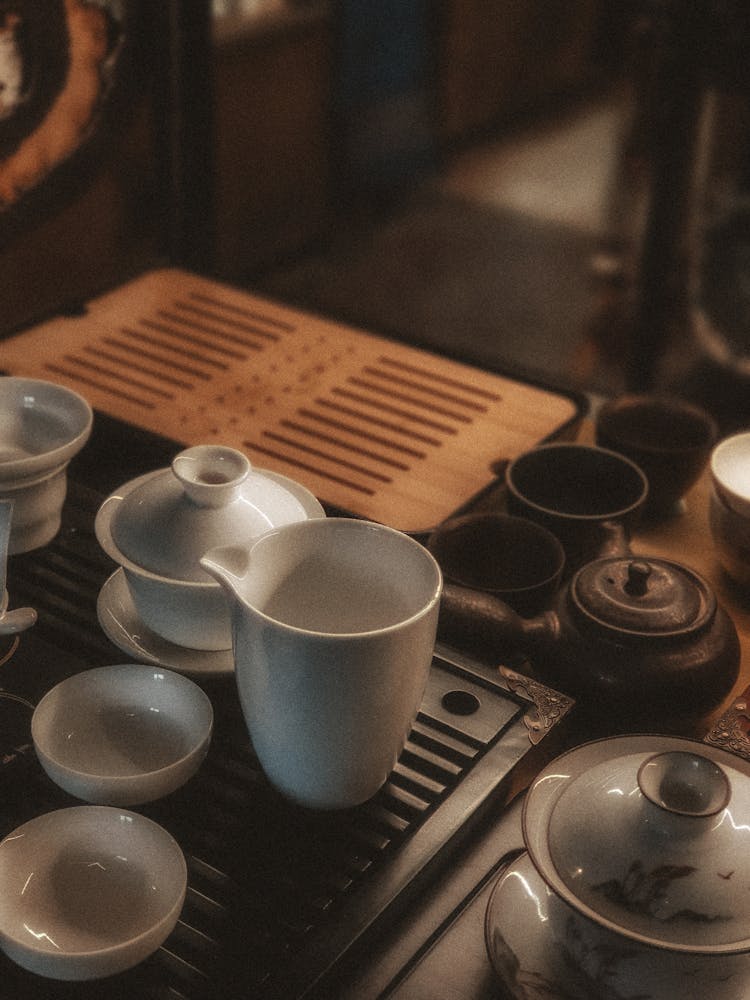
(172, 350)
(376, 425)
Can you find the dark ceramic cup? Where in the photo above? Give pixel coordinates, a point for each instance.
(512, 558)
(589, 497)
(669, 438)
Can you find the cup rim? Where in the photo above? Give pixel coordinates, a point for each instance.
(565, 516)
(531, 527)
(611, 408)
(18, 471)
(328, 524)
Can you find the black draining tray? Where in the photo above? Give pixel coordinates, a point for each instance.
(280, 899)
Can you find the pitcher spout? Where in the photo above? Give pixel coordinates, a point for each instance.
(228, 565)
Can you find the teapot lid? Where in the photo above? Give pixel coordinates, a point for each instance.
(211, 495)
(642, 596)
(666, 860)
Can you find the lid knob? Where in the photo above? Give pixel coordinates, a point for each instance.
(638, 575)
(684, 783)
(211, 475)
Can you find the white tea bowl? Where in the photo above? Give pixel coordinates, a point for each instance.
(730, 472)
(42, 426)
(88, 891)
(158, 526)
(122, 735)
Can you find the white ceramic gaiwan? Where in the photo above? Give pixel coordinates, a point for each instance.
(42, 426)
(159, 525)
(635, 881)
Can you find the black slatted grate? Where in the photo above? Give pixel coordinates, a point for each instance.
(277, 895)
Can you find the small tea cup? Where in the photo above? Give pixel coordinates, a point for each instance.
(589, 497)
(513, 558)
(669, 438)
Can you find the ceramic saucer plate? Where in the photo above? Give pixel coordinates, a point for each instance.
(121, 624)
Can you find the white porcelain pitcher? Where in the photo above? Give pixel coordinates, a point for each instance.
(334, 624)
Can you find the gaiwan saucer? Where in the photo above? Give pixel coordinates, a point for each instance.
(122, 626)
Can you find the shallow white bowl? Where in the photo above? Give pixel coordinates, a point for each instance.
(88, 891)
(124, 734)
(42, 426)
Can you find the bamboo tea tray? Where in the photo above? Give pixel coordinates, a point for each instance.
(372, 426)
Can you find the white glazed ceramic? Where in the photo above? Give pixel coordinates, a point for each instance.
(42, 426)
(122, 626)
(335, 625)
(122, 735)
(87, 892)
(18, 619)
(730, 472)
(730, 532)
(158, 525)
(636, 876)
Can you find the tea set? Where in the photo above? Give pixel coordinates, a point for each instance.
(328, 625)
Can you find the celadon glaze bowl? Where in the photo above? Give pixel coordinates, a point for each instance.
(635, 880)
(88, 891)
(159, 525)
(124, 734)
(42, 426)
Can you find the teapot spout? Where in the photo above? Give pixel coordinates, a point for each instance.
(228, 565)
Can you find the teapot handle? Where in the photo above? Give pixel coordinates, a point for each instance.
(483, 624)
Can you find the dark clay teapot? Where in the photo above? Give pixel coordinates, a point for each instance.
(643, 635)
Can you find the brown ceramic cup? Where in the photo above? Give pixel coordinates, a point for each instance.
(512, 558)
(669, 438)
(589, 497)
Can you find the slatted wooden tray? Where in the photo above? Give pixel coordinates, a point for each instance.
(380, 429)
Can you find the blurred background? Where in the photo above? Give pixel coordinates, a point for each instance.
(549, 187)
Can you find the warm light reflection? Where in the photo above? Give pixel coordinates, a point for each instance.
(41, 936)
(727, 815)
(551, 777)
(27, 882)
(538, 903)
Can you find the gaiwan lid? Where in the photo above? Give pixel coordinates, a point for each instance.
(650, 837)
(211, 495)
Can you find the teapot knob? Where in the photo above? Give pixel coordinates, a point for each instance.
(638, 577)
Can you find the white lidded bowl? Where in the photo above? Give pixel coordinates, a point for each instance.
(88, 891)
(124, 734)
(42, 426)
(636, 874)
(159, 525)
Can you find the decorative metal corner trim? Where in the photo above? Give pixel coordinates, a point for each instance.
(549, 706)
(729, 732)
